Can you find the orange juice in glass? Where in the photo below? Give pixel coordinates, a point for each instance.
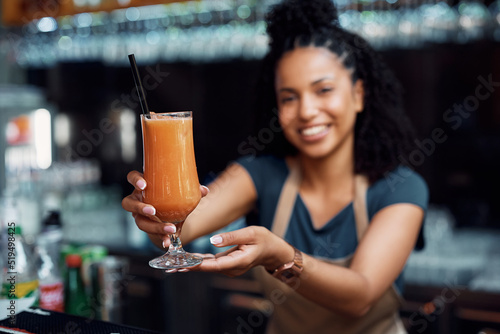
(172, 179)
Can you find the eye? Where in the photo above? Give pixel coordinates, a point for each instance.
(287, 99)
(325, 90)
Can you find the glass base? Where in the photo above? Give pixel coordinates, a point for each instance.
(175, 261)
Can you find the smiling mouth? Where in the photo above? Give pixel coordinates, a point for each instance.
(313, 130)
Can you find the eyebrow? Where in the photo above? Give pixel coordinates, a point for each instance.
(329, 77)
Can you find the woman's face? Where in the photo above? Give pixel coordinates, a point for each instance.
(317, 101)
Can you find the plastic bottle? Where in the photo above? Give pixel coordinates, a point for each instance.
(19, 284)
(49, 265)
(51, 282)
(75, 297)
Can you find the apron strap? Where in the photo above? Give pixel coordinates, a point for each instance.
(361, 185)
(289, 193)
(286, 201)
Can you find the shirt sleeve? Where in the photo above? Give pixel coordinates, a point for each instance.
(268, 173)
(401, 185)
(254, 168)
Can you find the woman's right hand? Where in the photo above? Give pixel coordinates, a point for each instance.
(144, 214)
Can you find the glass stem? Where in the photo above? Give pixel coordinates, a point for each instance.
(175, 247)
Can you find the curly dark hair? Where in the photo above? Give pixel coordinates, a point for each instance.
(383, 133)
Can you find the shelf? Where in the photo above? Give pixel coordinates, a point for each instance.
(19, 12)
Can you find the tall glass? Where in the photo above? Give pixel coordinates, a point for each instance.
(172, 180)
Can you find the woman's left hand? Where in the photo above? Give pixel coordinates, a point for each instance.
(253, 246)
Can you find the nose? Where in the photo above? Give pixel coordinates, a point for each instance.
(308, 108)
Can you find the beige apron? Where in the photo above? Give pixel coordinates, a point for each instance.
(293, 313)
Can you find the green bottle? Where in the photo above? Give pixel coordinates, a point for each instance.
(75, 297)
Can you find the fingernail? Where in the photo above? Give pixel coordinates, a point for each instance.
(206, 188)
(216, 239)
(141, 184)
(149, 210)
(169, 229)
(163, 244)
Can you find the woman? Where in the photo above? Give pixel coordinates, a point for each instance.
(338, 215)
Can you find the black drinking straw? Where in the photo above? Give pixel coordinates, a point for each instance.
(138, 84)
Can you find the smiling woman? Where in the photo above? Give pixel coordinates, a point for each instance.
(332, 234)
(383, 136)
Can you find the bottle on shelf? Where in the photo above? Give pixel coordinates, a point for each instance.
(51, 282)
(19, 285)
(75, 297)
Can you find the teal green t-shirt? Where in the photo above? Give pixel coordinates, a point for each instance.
(336, 239)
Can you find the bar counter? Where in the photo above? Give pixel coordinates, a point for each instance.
(38, 321)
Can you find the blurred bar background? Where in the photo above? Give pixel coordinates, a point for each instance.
(70, 133)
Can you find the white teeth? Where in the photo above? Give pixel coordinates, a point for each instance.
(313, 130)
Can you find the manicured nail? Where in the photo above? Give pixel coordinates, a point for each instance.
(141, 184)
(163, 244)
(216, 239)
(206, 188)
(149, 210)
(169, 229)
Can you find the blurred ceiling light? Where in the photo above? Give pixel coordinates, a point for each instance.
(244, 12)
(83, 20)
(46, 24)
(62, 130)
(65, 43)
(42, 138)
(94, 3)
(132, 14)
(80, 3)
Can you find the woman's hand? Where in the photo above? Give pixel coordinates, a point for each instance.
(144, 214)
(253, 246)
